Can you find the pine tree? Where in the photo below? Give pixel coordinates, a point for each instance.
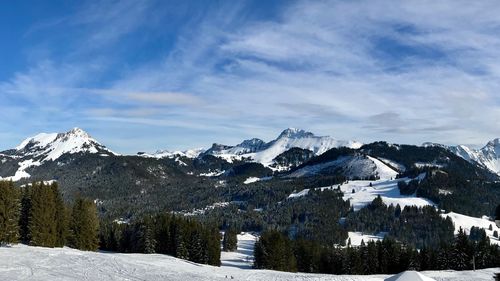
(461, 254)
(42, 226)
(147, 237)
(84, 226)
(230, 241)
(9, 213)
(24, 218)
(60, 217)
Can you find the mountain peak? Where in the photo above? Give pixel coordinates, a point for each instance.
(295, 133)
(494, 143)
(51, 146)
(78, 132)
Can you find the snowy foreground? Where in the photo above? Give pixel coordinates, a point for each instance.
(34, 263)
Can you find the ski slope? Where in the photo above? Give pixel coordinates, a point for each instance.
(360, 193)
(243, 256)
(45, 264)
(467, 222)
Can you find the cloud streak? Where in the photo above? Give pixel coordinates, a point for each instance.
(409, 71)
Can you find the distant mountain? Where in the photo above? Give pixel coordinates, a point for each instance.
(182, 180)
(45, 147)
(190, 153)
(265, 153)
(487, 157)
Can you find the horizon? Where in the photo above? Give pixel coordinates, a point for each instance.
(176, 75)
(232, 144)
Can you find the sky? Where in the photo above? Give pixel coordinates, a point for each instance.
(148, 75)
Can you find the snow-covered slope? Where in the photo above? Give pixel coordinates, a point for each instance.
(46, 147)
(488, 156)
(50, 147)
(190, 153)
(43, 264)
(355, 166)
(243, 256)
(467, 222)
(264, 153)
(362, 192)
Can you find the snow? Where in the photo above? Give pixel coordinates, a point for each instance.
(265, 153)
(357, 237)
(383, 171)
(351, 166)
(190, 153)
(215, 173)
(301, 193)
(196, 212)
(387, 189)
(301, 139)
(243, 256)
(488, 156)
(254, 179)
(21, 171)
(251, 180)
(364, 193)
(396, 165)
(386, 186)
(49, 147)
(467, 222)
(52, 146)
(21, 262)
(409, 276)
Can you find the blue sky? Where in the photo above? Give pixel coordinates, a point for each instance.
(148, 75)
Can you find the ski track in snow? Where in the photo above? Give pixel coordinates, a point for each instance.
(22, 262)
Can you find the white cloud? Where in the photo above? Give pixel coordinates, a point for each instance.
(405, 71)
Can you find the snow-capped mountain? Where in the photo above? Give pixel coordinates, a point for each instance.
(190, 153)
(259, 151)
(45, 147)
(488, 156)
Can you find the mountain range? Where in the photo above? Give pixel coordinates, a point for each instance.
(296, 144)
(124, 185)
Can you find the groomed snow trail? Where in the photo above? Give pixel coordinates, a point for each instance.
(35, 263)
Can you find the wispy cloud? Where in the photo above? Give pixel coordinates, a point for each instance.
(408, 71)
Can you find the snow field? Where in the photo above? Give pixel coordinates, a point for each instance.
(22, 262)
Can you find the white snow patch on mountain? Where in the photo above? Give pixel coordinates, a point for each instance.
(190, 153)
(357, 166)
(467, 222)
(214, 173)
(360, 193)
(387, 189)
(357, 237)
(22, 262)
(301, 193)
(254, 179)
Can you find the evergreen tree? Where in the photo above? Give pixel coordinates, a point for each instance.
(42, 226)
(230, 240)
(84, 226)
(60, 217)
(461, 254)
(147, 237)
(25, 214)
(274, 251)
(9, 213)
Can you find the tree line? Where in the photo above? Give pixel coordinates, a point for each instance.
(37, 215)
(164, 234)
(276, 251)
